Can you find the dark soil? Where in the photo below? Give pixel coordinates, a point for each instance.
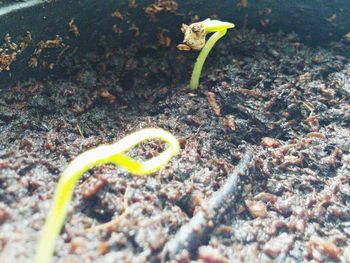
(287, 101)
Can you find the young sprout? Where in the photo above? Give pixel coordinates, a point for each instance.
(195, 38)
(114, 153)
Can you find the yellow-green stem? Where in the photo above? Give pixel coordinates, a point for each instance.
(196, 73)
(113, 153)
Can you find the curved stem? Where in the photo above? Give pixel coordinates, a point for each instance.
(202, 57)
(103, 154)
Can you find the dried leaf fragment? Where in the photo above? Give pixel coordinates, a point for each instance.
(230, 122)
(325, 247)
(164, 40)
(270, 142)
(132, 3)
(347, 36)
(6, 60)
(332, 18)
(160, 6)
(92, 185)
(194, 35)
(183, 47)
(304, 78)
(213, 103)
(256, 208)
(117, 14)
(107, 96)
(73, 28)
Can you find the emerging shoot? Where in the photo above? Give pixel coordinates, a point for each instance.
(195, 38)
(114, 153)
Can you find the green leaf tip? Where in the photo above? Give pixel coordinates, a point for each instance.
(114, 153)
(216, 25)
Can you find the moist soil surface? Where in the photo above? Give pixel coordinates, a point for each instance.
(287, 101)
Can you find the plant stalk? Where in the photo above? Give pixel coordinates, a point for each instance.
(203, 56)
(101, 155)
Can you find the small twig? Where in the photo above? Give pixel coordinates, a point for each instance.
(80, 131)
(198, 229)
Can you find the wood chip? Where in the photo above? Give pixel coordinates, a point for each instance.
(213, 103)
(107, 96)
(256, 209)
(270, 142)
(92, 185)
(325, 247)
(230, 122)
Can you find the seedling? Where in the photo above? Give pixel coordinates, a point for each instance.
(195, 38)
(113, 153)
